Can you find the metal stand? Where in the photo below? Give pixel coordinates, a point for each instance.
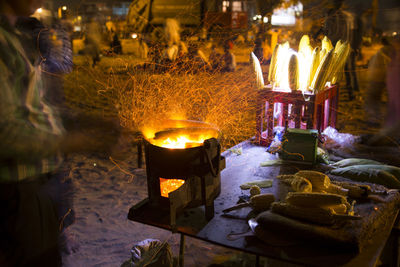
(181, 260)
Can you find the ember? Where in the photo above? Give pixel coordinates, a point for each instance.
(169, 185)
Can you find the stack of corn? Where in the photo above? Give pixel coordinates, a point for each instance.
(315, 199)
(309, 69)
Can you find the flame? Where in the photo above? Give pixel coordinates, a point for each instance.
(169, 185)
(181, 142)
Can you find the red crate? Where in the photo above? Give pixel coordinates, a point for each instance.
(296, 109)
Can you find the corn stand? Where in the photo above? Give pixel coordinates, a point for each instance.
(294, 110)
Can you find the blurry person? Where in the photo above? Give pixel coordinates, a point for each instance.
(31, 135)
(258, 48)
(390, 133)
(93, 41)
(116, 44)
(339, 24)
(376, 77)
(49, 47)
(229, 60)
(30, 153)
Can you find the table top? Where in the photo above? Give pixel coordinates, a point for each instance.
(243, 168)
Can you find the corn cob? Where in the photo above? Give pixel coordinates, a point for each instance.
(304, 45)
(314, 65)
(262, 202)
(258, 203)
(315, 199)
(322, 54)
(255, 190)
(281, 64)
(338, 45)
(258, 71)
(300, 184)
(320, 76)
(272, 66)
(341, 56)
(355, 190)
(320, 181)
(293, 71)
(314, 214)
(326, 44)
(304, 57)
(336, 189)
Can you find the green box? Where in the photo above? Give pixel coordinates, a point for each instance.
(300, 145)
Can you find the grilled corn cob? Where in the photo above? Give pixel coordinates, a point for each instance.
(314, 214)
(320, 181)
(300, 184)
(258, 203)
(322, 72)
(315, 199)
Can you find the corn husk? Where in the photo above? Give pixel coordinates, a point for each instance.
(341, 54)
(314, 65)
(326, 44)
(272, 66)
(322, 73)
(258, 71)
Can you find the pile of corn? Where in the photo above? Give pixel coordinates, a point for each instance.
(309, 69)
(315, 199)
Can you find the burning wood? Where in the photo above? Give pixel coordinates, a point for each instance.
(169, 185)
(181, 134)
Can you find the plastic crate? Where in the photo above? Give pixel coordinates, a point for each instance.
(294, 110)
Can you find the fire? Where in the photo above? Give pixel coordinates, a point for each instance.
(179, 134)
(169, 185)
(181, 142)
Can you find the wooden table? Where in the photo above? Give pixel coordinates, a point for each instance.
(240, 169)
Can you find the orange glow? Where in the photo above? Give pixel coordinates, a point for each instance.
(169, 185)
(180, 142)
(178, 134)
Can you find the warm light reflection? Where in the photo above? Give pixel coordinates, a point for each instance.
(169, 185)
